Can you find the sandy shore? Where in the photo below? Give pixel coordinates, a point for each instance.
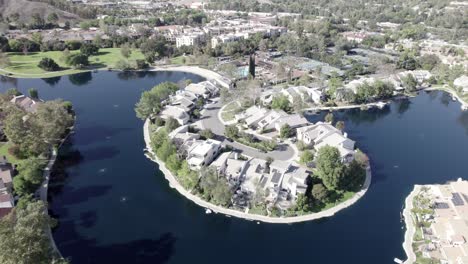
(253, 217)
(410, 228)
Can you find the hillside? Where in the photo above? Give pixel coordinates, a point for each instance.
(26, 8)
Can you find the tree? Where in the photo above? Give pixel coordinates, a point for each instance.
(302, 204)
(407, 61)
(285, 131)
(150, 101)
(77, 60)
(29, 177)
(330, 169)
(171, 124)
(355, 176)
(125, 50)
(329, 118)
(306, 157)
(187, 177)
(33, 93)
(89, 49)
(166, 150)
(281, 102)
(48, 64)
(52, 18)
(54, 119)
(231, 132)
(207, 134)
(319, 192)
(252, 65)
(429, 61)
(409, 83)
(340, 125)
(222, 193)
(123, 65)
(173, 163)
(23, 236)
(4, 60)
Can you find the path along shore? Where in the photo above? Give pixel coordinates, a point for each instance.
(173, 183)
(410, 228)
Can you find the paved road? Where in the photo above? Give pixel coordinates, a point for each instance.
(210, 120)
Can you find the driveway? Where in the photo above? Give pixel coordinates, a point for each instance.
(209, 120)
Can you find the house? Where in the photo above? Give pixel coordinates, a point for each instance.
(421, 76)
(229, 165)
(269, 119)
(305, 93)
(251, 115)
(192, 39)
(6, 200)
(253, 174)
(202, 153)
(220, 162)
(322, 134)
(295, 180)
(185, 100)
(293, 121)
(26, 103)
(181, 135)
(204, 89)
(462, 82)
(175, 112)
(354, 84)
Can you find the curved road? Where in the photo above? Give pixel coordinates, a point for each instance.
(209, 120)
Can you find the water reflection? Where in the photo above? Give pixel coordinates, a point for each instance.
(80, 79)
(52, 81)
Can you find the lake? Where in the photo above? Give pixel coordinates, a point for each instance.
(114, 205)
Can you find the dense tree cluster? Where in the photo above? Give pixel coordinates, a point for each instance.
(23, 236)
(151, 101)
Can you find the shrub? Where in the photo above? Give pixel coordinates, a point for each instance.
(48, 64)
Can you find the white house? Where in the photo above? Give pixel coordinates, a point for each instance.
(202, 153)
(293, 121)
(462, 82)
(295, 180)
(175, 112)
(190, 39)
(253, 174)
(420, 76)
(303, 92)
(322, 134)
(204, 89)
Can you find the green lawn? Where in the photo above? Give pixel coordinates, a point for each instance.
(26, 65)
(178, 60)
(230, 110)
(4, 152)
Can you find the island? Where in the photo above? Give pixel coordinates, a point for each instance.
(269, 165)
(436, 223)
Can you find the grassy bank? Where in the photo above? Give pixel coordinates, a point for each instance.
(25, 66)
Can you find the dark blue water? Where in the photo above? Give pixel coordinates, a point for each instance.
(114, 206)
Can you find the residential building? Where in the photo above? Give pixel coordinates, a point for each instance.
(181, 135)
(192, 39)
(204, 89)
(295, 180)
(305, 93)
(175, 112)
(323, 134)
(462, 82)
(26, 103)
(202, 153)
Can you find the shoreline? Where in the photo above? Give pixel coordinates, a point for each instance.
(464, 105)
(173, 183)
(43, 191)
(410, 228)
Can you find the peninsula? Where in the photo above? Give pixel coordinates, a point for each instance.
(436, 223)
(270, 166)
